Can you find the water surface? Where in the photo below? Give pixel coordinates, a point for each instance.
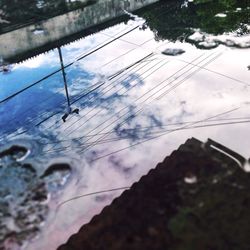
(136, 105)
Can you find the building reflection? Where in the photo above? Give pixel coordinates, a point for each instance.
(70, 21)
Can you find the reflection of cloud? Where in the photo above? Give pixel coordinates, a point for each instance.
(132, 80)
(112, 113)
(118, 165)
(207, 41)
(155, 120)
(51, 59)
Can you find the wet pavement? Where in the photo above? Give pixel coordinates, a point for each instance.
(142, 87)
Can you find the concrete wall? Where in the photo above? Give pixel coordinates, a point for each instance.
(36, 36)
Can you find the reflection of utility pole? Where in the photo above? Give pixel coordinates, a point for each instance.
(66, 88)
(64, 76)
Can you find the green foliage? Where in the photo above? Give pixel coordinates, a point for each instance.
(170, 20)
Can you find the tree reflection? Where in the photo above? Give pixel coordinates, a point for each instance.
(175, 20)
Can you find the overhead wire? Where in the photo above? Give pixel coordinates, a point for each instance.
(76, 98)
(117, 91)
(139, 111)
(149, 135)
(151, 90)
(85, 52)
(116, 81)
(164, 134)
(217, 73)
(66, 66)
(90, 194)
(126, 53)
(233, 120)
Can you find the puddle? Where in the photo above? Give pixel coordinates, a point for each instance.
(136, 105)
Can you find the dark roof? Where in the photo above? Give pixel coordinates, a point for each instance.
(197, 198)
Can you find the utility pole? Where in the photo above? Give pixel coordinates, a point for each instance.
(66, 89)
(64, 77)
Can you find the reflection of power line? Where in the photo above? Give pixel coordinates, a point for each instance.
(143, 129)
(90, 194)
(75, 99)
(186, 66)
(114, 77)
(117, 91)
(168, 132)
(152, 95)
(187, 77)
(66, 66)
(147, 92)
(162, 87)
(28, 109)
(94, 115)
(125, 188)
(173, 87)
(217, 73)
(94, 88)
(125, 54)
(81, 95)
(163, 131)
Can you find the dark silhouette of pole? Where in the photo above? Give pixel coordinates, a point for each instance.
(64, 77)
(69, 111)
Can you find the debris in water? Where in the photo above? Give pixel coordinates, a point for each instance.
(220, 15)
(190, 179)
(173, 52)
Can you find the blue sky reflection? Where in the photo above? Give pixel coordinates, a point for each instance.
(161, 95)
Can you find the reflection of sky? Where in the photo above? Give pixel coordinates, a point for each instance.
(155, 96)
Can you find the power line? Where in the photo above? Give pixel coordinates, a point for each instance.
(217, 73)
(147, 104)
(98, 112)
(52, 95)
(116, 79)
(80, 96)
(66, 66)
(133, 49)
(145, 94)
(234, 120)
(163, 132)
(117, 91)
(90, 194)
(158, 136)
